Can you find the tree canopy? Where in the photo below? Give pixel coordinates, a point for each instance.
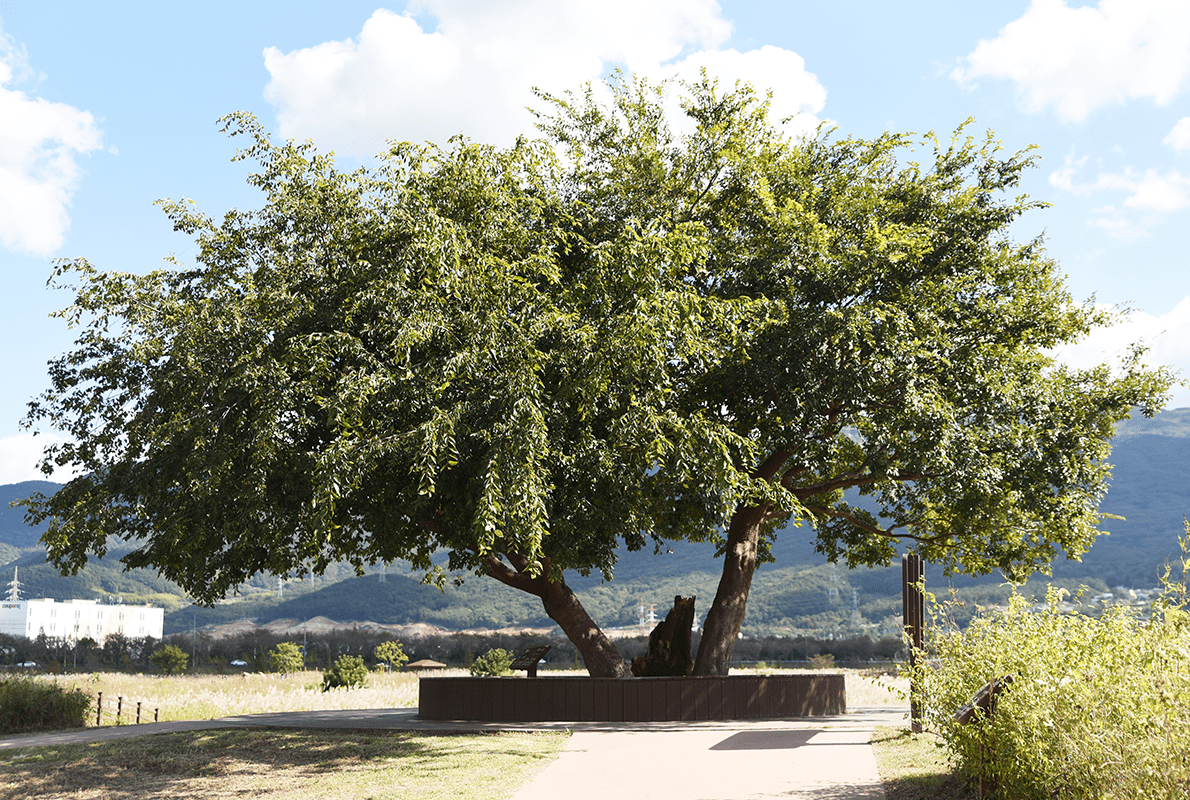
(891, 338)
(618, 333)
(375, 366)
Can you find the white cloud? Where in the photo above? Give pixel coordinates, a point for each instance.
(1081, 59)
(1167, 336)
(20, 454)
(797, 94)
(1117, 224)
(39, 141)
(475, 72)
(1151, 191)
(1179, 137)
(1154, 192)
(1064, 178)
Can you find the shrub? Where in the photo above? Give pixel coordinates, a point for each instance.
(347, 672)
(170, 659)
(29, 705)
(822, 661)
(392, 654)
(286, 657)
(494, 662)
(1099, 707)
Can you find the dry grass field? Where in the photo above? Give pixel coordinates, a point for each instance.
(212, 696)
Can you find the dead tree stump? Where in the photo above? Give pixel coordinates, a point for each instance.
(669, 644)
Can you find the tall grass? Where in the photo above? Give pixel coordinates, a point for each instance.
(1099, 707)
(181, 697)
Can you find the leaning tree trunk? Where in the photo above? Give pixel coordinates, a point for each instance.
(726, 615)
(600, 656)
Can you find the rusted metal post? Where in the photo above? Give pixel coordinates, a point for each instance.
(912, 576)
(99, 711)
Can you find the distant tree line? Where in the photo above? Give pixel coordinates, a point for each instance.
(57, 653)
(321, 650)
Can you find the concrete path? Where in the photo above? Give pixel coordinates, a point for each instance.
(816, 758)
(825, 758)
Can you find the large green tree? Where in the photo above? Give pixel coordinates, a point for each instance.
(528, 357)
(380, 365)
(891, 338)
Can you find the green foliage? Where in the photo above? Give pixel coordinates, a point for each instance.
(887, 334)
(392, 654)
(285, 658)
(169, 659)
(494, 662)
(432, 340)
(1099, 706)
(348, 672)
(27, 705)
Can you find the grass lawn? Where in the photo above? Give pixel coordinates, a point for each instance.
(914, 767)
(281, 764)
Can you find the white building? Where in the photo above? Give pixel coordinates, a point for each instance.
(78, 619)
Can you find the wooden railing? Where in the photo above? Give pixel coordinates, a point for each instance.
(119, 706)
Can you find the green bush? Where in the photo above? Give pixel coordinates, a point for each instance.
(494, 662)
(170, 659)
(27, 705)
(1099, 707)
(348, 672)
(286, 657)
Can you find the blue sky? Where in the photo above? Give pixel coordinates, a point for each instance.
(105, 108)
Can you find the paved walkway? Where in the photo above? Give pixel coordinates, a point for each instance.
(814, 758)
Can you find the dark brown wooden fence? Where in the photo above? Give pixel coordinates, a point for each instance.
(581, 699)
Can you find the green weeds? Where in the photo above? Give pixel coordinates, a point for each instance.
(28, 705)
(1099, 707)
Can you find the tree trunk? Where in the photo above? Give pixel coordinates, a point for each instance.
(669, 644)
(600, 656)
(726, 615)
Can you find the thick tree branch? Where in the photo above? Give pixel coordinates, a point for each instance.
(497, 569)
(768, 468)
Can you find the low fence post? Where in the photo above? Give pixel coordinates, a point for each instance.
(99, 711)
(119, 707)
(912, 577)
(138, 702)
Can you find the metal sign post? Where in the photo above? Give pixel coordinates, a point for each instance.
(912, 576)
